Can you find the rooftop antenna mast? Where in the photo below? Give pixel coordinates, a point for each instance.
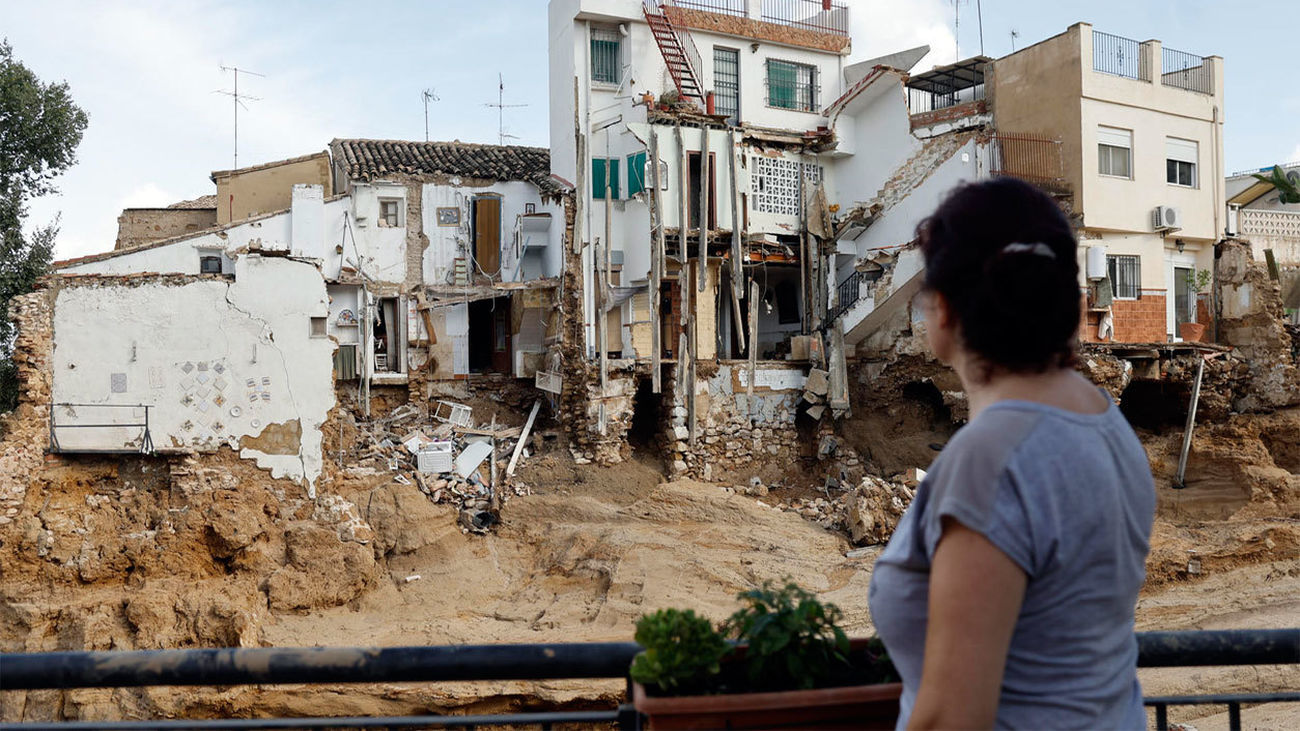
(979, 12)
(1014, 35)
(956, 28)
(501, 106)
(238, 98)
(428, 95)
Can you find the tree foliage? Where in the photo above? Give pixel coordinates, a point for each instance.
(1287, 187)
(40, 129)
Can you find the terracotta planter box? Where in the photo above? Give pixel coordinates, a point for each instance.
(850, 707)
(1192, 332)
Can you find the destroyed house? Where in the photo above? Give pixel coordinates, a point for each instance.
(436, 261)
(694, 136)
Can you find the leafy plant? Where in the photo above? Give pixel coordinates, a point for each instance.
(1287, 189)
(1198, 279)
(683, 652)
(792, 638)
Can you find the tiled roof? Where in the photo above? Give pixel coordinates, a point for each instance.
(203, 201)
(369, 159)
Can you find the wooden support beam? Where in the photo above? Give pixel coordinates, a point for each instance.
(523, 437)
(737, 260)
(691, 374)
(704, 209)
(684, 206)
(656, 265)
(753, 349)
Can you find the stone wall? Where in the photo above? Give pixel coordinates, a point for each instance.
(24, 430)
(1251, 320)
(144, 225)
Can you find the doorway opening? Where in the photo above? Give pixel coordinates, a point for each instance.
(489, 336)
(388, 355)
(647, 419)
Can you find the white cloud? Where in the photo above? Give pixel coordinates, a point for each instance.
(149, 195)
(885, 26)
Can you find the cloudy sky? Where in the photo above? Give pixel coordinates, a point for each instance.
(147, 73)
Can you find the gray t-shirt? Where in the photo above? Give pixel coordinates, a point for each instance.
(1069, 498)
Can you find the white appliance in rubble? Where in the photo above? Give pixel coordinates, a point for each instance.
(435, 457)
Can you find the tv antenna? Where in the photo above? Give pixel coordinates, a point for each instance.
(238, 98)
(1014, 35)
(428, 95)
(501, 107)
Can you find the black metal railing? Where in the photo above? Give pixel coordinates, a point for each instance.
(1186, 71)
(1032, 158)
(849, 291)
(822, 16)
(922, 100)
(143, 443)
(722, 7)
(607, 660)
(1117, 55)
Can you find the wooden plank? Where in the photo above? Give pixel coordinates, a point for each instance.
(656, 266)
(683, 190)
(753, 349)
(509, 432)
(703, 256)
(432, 338)
(523, 437)
(737, 269)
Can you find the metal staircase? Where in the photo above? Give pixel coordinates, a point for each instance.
(679, 52)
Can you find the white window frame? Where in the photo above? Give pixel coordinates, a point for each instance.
(1119, 139)
(1185, 151)
(603, 32)
(1114, 281)
(397, 206)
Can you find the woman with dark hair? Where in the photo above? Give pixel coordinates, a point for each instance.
(1006, 595)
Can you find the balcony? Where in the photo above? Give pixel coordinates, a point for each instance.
(1130, 59)
(818, 24)
(948, 93)
(1032, 158)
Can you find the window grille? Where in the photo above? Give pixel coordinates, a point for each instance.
(726, 83)
(209, 265)
(791, 85)
(1125, 276)
(606, 55)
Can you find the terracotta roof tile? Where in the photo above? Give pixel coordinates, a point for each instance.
(370, 159)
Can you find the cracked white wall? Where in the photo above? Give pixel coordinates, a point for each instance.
(218, 363)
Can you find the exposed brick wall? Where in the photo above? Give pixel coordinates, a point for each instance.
(757, 29)
(949, 114)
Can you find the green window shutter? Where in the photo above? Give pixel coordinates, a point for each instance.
(635, 173)
(598, 178)
(782, 84)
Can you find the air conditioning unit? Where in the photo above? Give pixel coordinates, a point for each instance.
(1166, 218)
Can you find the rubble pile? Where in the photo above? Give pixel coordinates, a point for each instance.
(868, 513)
(440, 451)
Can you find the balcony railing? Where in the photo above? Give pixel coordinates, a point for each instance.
(849, 291)
(322, 665)
(1117, 55)
(821, 16)
(920, 101)
(722, 7)
(1032, 158)
(1186, 71)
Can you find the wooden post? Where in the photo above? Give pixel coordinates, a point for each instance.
(737, 257)
(656, 265)
(1191, 423)
(523, 436)
(753, 349)
(691, 345)
(704, 209)
(684, 206)
(803, 252)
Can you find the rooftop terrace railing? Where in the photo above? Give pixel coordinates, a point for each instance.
(1119, 56)
(1187, 71)
(595, 660)
(821, 16)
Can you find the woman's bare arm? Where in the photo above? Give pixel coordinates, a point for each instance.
(975, 596)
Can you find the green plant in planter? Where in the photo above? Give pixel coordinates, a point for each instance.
(790, 638)
(683, 652)
(1197, 280)
(793, 641)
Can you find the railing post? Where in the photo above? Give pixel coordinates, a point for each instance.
(1151, 64)
(754, 9)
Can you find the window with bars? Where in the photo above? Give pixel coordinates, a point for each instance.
(791, 85)
(726, 83)
(1125, 274)
(606, 55)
